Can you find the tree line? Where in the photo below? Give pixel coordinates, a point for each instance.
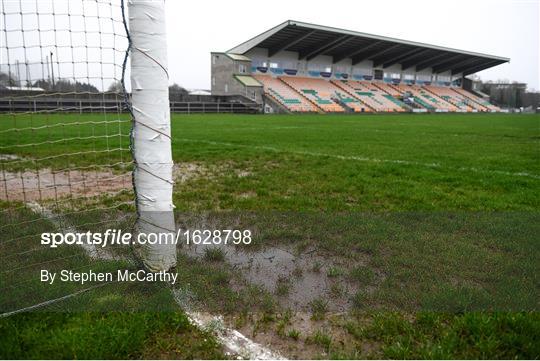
(176, 91)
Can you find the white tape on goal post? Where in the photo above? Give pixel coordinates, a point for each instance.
(151, 138)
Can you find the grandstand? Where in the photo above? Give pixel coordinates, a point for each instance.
(297, 67)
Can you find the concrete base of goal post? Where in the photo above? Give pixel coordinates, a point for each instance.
(151, 140)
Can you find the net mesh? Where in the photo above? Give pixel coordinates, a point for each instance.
(65, 158)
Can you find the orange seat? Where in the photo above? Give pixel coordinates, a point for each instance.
(284, 95)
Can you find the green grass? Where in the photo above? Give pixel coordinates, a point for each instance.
(447, 336)
(452, 162)
(214, 255)
(319, 308)
(283, 286)
(443, 207)
(294, 334)
(82, 139)
(111, 335)
(334, 272)
(362, 274)
(322, 339)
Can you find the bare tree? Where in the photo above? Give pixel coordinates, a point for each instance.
(65, 86)
(7, 79)
(176, 92)
(116, 87)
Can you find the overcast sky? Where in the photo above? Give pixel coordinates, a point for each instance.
(508, 28)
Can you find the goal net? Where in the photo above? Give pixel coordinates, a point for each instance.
(79, 149)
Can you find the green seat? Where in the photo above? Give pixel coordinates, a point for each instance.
(368, 94)
(423, 103)
(394, 100)
(283, 99)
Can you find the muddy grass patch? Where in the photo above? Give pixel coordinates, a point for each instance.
(49, 184)
(297, 336)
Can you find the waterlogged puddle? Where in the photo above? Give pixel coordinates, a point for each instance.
(296, 280)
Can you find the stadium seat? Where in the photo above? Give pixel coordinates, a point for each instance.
(423, 97)
(388, 88)
(324, 94)
(487, 106)
(284, 95)
(372, 96)
(446, 93)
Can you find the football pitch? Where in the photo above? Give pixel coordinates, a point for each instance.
(393, 236)
(375, 163)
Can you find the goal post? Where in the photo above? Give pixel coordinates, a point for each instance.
(85, 143)
(151, 133)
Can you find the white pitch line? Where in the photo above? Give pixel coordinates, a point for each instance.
(363, 159)
(234, 341)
